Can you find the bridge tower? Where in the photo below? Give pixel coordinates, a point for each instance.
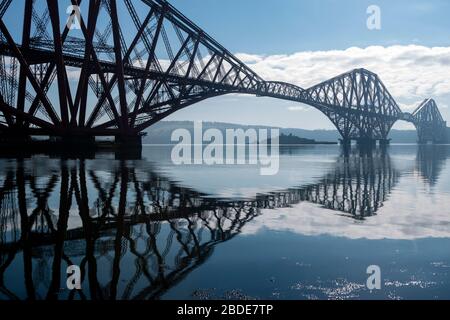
(128, 65)
(358, 104)
(431, 127)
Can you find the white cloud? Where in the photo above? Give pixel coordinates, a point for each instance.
(409, 107)
(73, 74)
(298, 108)
(411, 73)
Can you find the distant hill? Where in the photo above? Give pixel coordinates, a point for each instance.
(397, 136)
(290, 139)
(161, 132)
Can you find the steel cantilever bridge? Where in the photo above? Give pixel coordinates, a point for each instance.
(128, 64)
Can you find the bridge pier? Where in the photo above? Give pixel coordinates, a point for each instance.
(425, 141)
(14, 138)
(346, 142)
(18, 140)
(431, 141)
(74, 141)
(128, 146)
(129, 141)
(366, 142)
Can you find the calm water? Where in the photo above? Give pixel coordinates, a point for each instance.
(145, 229)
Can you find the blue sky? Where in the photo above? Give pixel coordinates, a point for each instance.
(288, 26)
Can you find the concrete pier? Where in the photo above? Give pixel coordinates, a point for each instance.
(129, 142)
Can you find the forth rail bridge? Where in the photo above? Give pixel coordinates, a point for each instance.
(117, 74)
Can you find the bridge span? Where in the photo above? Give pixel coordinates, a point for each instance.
(118, 74)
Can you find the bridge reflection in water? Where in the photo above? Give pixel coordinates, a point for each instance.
(135, 234)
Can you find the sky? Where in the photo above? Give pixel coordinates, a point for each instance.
(306, 42)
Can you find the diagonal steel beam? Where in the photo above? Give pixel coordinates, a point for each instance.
(17, 113)
(82, 90)
(119, 66)
(30, 76)
(25, 44)
(99, 69)
(150, 59)
(59, 59)
(50, 69)
(111, 83)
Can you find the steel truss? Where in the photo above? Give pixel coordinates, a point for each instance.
(103, 81)
(430, 125)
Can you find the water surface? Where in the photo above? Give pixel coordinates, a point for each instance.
(146, 229)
